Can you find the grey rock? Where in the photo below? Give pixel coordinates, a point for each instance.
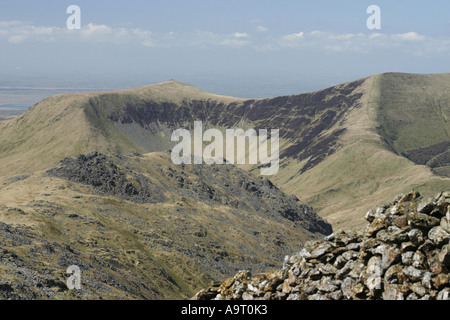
(370, 215)
(391, 275)
(418, 289)
(346, 269)
(426, 280)
(347, 287)
(408, 246)
(336, 295)
(419, 260)
(293, 296)
(317, 296)
(412, 273)
(444, 255)
(412, 296)
(374, 282)
(339, 262)
(349, 255)
(423, 220)
(415, 236)
(392, 292)
(444, 294)
(321, 249)
(426, 205)
(390, 254)
(247, 296)
(438, 235)
(326, 285)
(445, 222)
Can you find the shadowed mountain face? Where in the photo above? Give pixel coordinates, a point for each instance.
(310, 123)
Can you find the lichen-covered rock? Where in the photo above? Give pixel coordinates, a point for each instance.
(402, 254)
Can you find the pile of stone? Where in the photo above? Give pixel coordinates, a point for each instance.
(402, 254)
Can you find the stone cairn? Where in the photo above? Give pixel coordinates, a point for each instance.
(402, 254)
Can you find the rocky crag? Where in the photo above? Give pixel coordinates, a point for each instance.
(402, 254)
(140, 227)
(116, 176)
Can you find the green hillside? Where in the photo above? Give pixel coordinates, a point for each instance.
(414, 113)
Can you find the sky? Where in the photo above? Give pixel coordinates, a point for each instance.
(246, 48)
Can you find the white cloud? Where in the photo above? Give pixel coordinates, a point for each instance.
(240, 35)
(233, 43)
(376, 35)
(141, 33)
(16, 32)
(293, 36)
(8, 24)
(292, 40)
(144, 37)
(42, 31)
(148, 43)
(203, 39)
(346, 36)
(317, 33)
(17, 38)
(93, 30)
(409, 36)
(262, 29)
(122, 32)
(409, 42)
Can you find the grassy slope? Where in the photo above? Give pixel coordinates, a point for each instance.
(66, 125)
(414, 113)
(414, 110)
(363, 173)
(54, 126)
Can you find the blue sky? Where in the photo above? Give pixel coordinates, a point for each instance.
(248, 48)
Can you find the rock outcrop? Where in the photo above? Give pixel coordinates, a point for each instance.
(102, 173)
(117, 176)
(402, 254)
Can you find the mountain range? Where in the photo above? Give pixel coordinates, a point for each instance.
(87, 179)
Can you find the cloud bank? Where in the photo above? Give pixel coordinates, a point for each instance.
(17, 32)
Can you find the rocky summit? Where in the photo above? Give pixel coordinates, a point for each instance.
(402, 254)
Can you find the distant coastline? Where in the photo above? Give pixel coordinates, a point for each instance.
(10, 111)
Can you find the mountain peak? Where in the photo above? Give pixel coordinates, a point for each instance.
(175, 91)
(170, 83)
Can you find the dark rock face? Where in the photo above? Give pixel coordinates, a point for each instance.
(101, 173)
(217, 184)
(404, 253)
(305, 120)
